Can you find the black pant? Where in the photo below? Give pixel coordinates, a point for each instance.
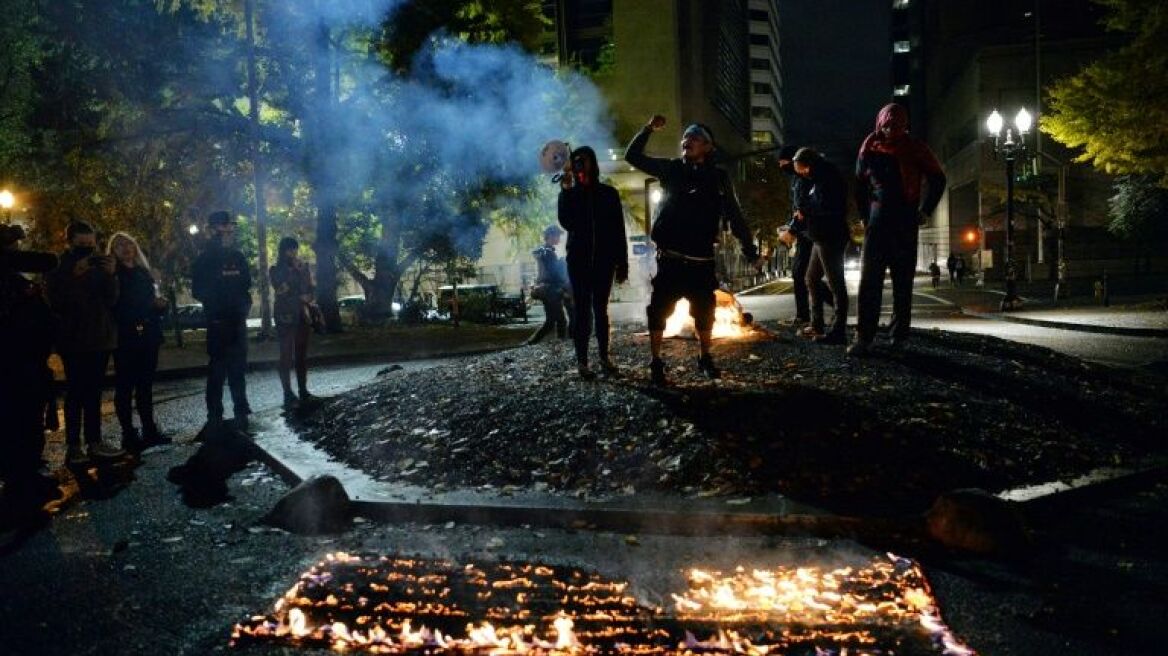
(590, 291)
(135, 365)
(679, 278)
(293, 352)
(799, 266)
(22, 412)
(555, 317)
(828, 259)
(894, 249)
(227, 346)
(84, 373)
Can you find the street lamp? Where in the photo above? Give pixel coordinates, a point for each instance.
(193, 229)
(7, 200)
(1010, 149)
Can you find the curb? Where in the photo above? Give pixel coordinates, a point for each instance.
(1063, 325)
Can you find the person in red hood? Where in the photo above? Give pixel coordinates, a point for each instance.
(898, 185)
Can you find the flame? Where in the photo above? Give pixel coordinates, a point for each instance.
(729, 319)
(749, 611)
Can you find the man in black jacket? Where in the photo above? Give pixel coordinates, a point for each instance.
(697, 198)
(824, 211)
(803, 244)
(221, 281)
(597, 252)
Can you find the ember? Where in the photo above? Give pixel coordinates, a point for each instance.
(389, 605)
(729, 319)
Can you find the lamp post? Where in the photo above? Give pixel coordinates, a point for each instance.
(1010, 149)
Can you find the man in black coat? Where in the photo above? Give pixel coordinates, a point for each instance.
(698, 197)
(221, 281)
(597, 252)
(824, 210)
(803, 243)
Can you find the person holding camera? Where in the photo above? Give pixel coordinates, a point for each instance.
(293, 308)
(221, 281)
(26, 340)
(899, 183)
(551, 286)
(824, 211)
(82, 292)
(138, 312)
(597, 252)
(698, 197)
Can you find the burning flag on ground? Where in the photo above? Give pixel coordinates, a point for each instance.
(388, 605)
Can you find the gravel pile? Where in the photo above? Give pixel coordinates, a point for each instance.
(882, 435)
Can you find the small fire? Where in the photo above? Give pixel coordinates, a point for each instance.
(373, 603)
(729, 319)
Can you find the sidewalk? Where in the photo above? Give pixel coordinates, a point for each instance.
(355, 345)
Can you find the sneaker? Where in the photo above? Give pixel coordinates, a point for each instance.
(706, 365)
(609, 367)
(831, 339)
(308, 398)
(290, 401)
(812, 331)
(105, 450)
(132, 441)
(657, 372)
(584, 371)
(860, 348)
(76, 455)
(153, 436)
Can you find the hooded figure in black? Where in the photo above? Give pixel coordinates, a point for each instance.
(803, 243)
(597, 252)
(824, 211)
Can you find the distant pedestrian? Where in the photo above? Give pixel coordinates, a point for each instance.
(221, 281)
(951, 264)
(551, 286)
(960, 270)
(82, 292)
(898, 185)
(597, 252)
(935, 273)
(138, 312)
(294, 308)
(824, 210)
(698, 201)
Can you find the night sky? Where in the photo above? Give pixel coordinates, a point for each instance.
(836, 61)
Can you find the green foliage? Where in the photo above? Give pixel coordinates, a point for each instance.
(1116, 108)
(1139, 209)
(474, 21)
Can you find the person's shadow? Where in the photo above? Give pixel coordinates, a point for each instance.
(202, 479)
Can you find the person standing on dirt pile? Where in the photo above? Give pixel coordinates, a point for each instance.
(803, 245)
(597, 252)
(698, 197)
(82, 293)
(221, 281)
(898, 185)
(293, 309)
(26, 339)
(139, 314)
(824, 209)
(551, 286)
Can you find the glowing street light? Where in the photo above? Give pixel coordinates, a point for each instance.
(7, 200)
(1010, 150)
(193, 229)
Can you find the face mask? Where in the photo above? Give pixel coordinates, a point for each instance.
(83, 251)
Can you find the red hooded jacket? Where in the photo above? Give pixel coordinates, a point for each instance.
(898, 177)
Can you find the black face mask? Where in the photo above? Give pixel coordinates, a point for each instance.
(83, 251)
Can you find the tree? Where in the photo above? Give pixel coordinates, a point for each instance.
(765, 197)
(1116, 108)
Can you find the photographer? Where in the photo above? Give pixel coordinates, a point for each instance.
(294, 307)
(82, 292)
(26, 329)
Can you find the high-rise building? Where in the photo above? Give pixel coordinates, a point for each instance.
(766, 76)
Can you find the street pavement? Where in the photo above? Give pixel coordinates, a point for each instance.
(129, 568)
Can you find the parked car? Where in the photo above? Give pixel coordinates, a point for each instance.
(190, 317)
(351, 307)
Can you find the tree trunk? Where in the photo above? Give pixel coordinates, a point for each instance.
(324, 186)
(257, 171)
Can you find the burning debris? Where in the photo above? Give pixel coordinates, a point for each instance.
(391, 605)
(730, 321)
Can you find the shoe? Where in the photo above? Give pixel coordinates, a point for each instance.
(290, 401)
(706, 365)
(859, 348)
(585, 372)
(132, 441)
(153, 436)
(307, 398)
(105, 450)
(76, 455)
(657, 372)
(831, 339)
(811, 332)
(609, 367)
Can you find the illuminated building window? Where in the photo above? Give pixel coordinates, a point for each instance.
(900, 90)
(901, 47)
